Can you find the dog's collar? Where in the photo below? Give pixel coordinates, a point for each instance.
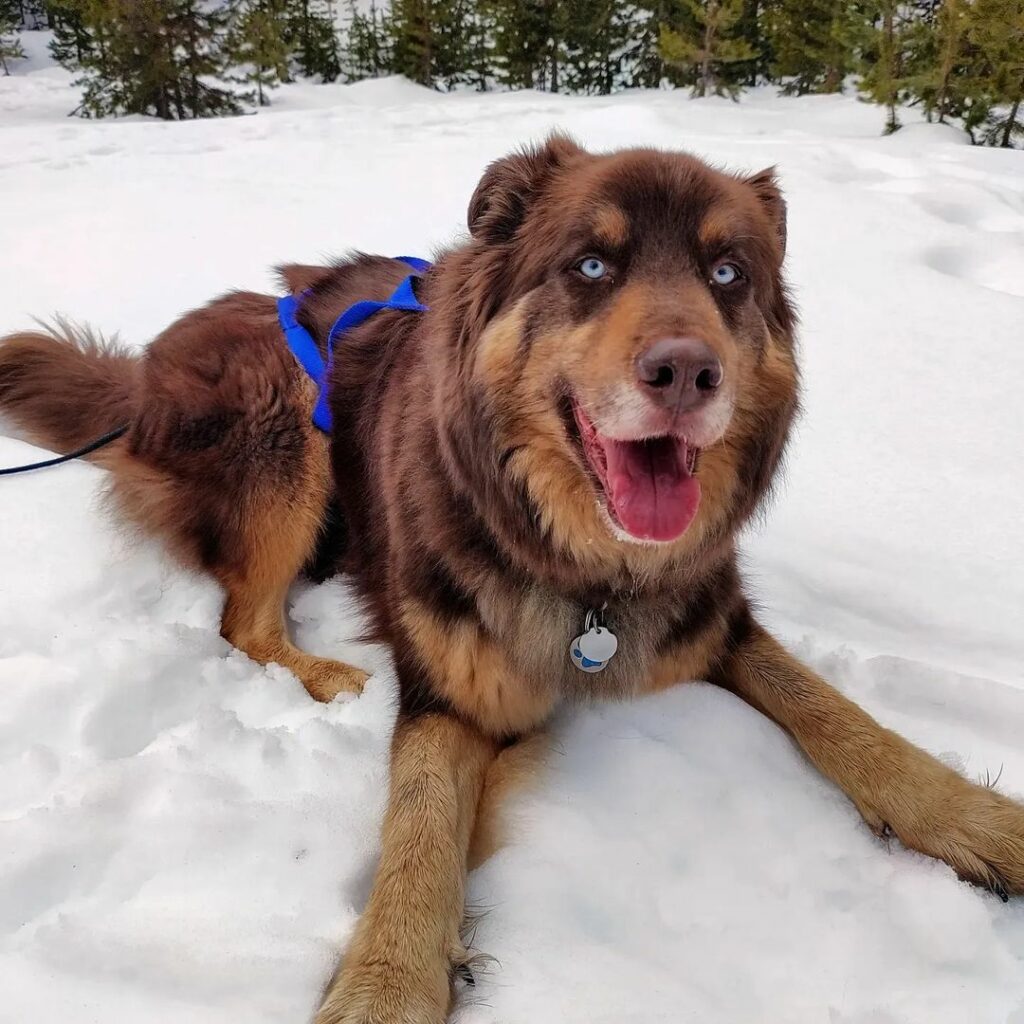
(306, 350)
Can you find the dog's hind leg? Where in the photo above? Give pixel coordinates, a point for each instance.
(254, 533)
(254, 537)
(223, 464)
(277, 546)
(261, 546)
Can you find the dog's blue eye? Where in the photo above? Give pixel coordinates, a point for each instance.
(725, 273)
(593, 268)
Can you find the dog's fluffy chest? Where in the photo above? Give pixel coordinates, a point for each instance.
(536, 629)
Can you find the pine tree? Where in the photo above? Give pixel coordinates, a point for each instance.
(949, 29)
(750, 28)
(996, 31)
(258, 45)
(159, 58)
(884, 60)
(936, 52)
(596, 34)
(367, 52)
(812, 42)
(313, 38)
(199, 57)
(709, 46)
(414, 35)
(480, 71)
(528, 42)
(459, 55)
(70, 39)
(438, 43)
(642, 62)
(10, 22)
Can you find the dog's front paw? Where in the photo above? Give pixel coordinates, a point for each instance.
(383, 993)
(931, 808)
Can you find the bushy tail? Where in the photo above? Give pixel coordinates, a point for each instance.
(65, 386)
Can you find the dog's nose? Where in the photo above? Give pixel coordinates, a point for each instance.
(679, 373)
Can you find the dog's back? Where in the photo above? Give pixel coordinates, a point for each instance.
(217, 409)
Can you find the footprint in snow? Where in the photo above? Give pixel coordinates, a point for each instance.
(988, 269)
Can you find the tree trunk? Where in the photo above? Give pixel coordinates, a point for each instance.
(888, 56)
(949, 45)
(193, 56)
(891, 124)
(705, 57)
(1010, 122)
(426, 77)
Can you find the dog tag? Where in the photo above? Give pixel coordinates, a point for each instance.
(598, 644)
(594, 648)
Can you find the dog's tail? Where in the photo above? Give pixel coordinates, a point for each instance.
(65, 386)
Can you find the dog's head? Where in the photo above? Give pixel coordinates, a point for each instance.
(621, 374)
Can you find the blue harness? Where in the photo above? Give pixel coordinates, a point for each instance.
(305, 349)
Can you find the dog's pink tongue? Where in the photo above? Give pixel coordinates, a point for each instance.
(649, 487)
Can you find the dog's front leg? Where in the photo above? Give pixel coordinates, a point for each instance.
(398, 967)
(897, 787)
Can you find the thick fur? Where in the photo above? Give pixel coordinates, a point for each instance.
(455, 493)
(95, 382)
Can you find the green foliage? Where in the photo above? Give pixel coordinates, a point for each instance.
(995, 79)
(814, 43)
(153, 57)
(641, 64)
(751, 29)
(438, 43)
(368, 51)
(936, 58)
(527, 42)
(10, 22)
(414, 35)
(257, 45)
(884, 60)
(313, 38)
(960, 61)
(708, 45)
(595, 37)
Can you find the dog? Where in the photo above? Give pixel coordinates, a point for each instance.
(535, 485)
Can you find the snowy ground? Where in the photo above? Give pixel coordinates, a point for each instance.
(185, 837)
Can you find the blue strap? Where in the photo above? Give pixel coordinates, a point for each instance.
(299, 339)
(305, 348)
(420, 266)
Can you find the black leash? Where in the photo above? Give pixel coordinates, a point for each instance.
(77, 454)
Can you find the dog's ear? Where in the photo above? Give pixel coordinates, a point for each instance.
(298, 277)
(509, 185)
(766, 187)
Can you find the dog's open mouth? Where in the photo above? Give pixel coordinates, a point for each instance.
(649, 485)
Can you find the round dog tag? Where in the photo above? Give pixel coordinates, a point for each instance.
(581, 661)
(598, 643)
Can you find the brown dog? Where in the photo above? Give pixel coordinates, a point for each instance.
(596, 401)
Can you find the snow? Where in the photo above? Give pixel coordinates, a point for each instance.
(185, 836)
